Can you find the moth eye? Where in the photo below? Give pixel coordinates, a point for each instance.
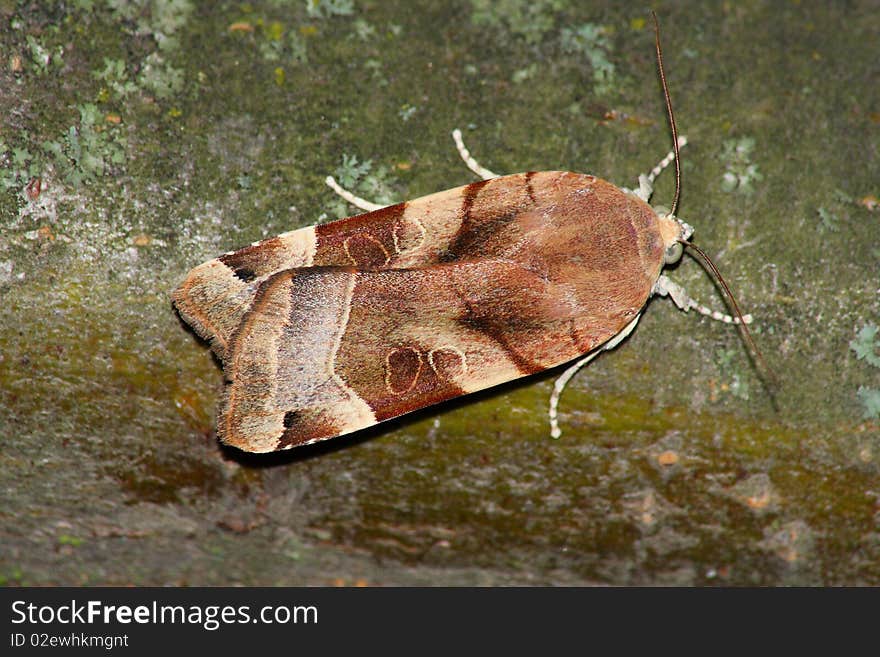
(673, 253)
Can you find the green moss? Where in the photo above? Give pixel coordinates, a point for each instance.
(67, 539)
(14, 577)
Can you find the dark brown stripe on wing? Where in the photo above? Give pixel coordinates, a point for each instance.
(489, 213)
(466, 231)
(485, 326)
(529, 189)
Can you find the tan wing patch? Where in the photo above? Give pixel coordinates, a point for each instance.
(215, 296)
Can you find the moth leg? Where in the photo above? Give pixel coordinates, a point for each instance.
(558, 387)
(565, 377)
(666, 287)
(646, 182)
(356, 201)
(471, 163)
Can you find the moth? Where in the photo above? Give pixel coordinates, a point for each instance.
(333, 328)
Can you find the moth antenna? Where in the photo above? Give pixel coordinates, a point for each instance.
(742, 324)
(669, 113)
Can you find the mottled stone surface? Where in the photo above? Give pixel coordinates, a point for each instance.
(166, 133)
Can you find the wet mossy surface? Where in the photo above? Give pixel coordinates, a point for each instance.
(165, 133)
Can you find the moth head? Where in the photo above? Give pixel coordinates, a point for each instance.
(673, 231)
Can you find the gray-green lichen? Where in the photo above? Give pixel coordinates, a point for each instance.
(866, 347)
